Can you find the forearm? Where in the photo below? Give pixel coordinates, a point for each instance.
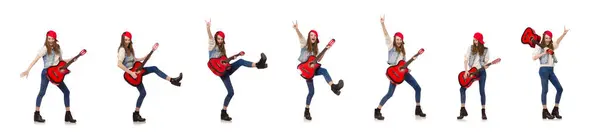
(385, 32)
(122, 67)
(300, 37)
(33, 63)
(209, 33)
(466, 65)
(535, 57)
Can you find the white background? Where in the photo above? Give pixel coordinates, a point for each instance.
(269, 103)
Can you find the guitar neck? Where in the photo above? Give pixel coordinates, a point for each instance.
(146, 59)
(72, 60)
(409, 61)
(320, 55)
(231, 58)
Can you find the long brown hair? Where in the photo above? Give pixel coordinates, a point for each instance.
(221, 46)
(399, 48)
(479, 48)
(52, 46)
(550, 45)
(312, 47)
(128, 47)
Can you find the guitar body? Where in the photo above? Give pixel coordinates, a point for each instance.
(394, 74)
(466, 82)
(217, 66)
(135, 81)
(308, 72)
(55, 74)
(528, 35)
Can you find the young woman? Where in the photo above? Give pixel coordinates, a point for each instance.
(51, 54)
(216, 49)
(309, 47)
(477, 56)
(396, 53)
(545, 53)
(125, 60)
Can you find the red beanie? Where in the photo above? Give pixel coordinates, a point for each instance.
(479, 37)
(51, 33)
(127, 34)
(220, 33)
(398, 34)
(316, 34)
(547, 32)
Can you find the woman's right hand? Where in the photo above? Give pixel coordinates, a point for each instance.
(382, 19)
(25, 74)
(208, 22)
(295, 24)
(132, 74)
(466, 74)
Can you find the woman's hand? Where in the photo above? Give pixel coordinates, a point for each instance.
(25, 74)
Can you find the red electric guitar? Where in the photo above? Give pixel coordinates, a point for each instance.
(306, 70)
(473, 75)
(529, 37)
(221, 64)
(396, 73)
(138, 68)
(56, 74)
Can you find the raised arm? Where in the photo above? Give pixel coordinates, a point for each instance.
(300, 36)
(385, 32)
(211, 43)
(388, 40)
(561, 37)
(210, 37)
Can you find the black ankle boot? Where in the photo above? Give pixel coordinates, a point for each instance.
(483, 115)
(546, 114)
(307, 114)
(262, 63)
(177, 81)
(69, 117)
(37, 117)
(137, 117)
(463, 113)
(378, 114)
(419, 112)
(225, 116)
(555, 113)
(337, 87)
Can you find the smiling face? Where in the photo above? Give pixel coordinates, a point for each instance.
(126, 39)
(398, 41)
(50, 40)
(475, 42)
(547, 39)
(313, 37)
(220, 40)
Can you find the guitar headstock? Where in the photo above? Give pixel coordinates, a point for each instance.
(83, 52)
(155, 46)
(331, 42)
(421, 51)
(496, 61)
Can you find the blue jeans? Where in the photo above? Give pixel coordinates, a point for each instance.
(482, 77)
(141, 89)
(547, 73)
(411, 81)
(311, 86)
(44, 85)
(227, 81)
